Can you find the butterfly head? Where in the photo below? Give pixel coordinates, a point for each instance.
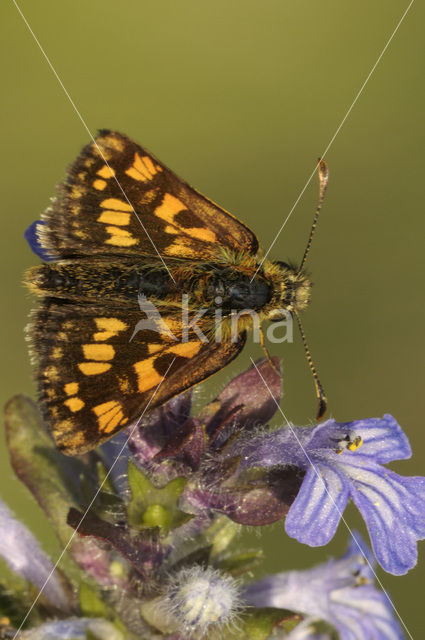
(293, 288)
(292, 291)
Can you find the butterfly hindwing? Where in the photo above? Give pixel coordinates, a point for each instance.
(97, 376)
(118, 199)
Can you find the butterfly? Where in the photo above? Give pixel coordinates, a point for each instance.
(129, 244)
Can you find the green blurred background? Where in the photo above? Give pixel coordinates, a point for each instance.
(240, 98)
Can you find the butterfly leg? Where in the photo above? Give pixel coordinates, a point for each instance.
(266, 353)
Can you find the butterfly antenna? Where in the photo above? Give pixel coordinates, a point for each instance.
(323, 183)
(320, 394)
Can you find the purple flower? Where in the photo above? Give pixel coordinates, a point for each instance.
(99, 563)
(155, 433)
(341, 592)
(169, 442)
(24, 556)
(342, 461)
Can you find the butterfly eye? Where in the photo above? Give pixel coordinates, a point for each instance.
(285, 265)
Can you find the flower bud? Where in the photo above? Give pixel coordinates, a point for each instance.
(196, 600)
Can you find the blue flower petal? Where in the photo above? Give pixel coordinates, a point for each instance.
(339, 591)
(22, 552)
(393, 508)
(316, 511)
(383, 438)
(32, 237)
(364, 612)
(75, 629)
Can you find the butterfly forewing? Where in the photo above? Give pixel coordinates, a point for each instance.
(118, 199)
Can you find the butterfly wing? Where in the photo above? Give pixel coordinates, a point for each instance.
(95, 377)
(118, 199)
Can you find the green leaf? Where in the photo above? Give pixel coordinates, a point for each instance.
(104, 479)
(92, 606)
(258, 624)
(152, 507)
(239, 563)
(220, 534)
(90, 603)
(14, 605)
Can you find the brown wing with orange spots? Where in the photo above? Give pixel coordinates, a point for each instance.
(95, 377)
(119, 199)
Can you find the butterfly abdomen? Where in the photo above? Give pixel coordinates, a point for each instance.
(87, 281)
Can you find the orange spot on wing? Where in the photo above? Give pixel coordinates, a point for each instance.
(116, 204)
(201, 234)
(118, 241)
(149, 165)
(71, 388)
(74, 404)
(169, 207)
(100, 352)
(103, 335)
(186, 349)
(116, 231)
(147, 376)
(114, 217)
(106, 172)
(100, 409)
(142, 169)
(136, 175)
(120, 237)
(99, 185)
(94, 368)
(153, 348)
(110, 324)
(109, 415)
